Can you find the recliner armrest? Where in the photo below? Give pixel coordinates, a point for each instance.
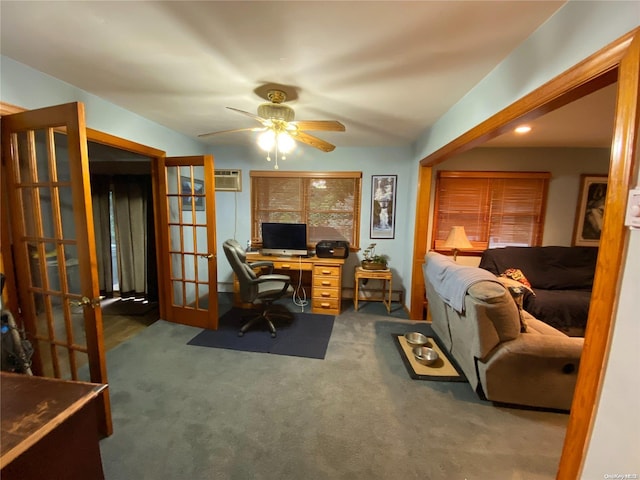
(534, 370)
(546, 346)
(262, 264)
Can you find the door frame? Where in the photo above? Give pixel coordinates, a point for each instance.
(619, 61)
(157, 157)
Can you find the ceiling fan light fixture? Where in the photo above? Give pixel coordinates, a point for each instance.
(280, 133)
(286, 143)
(277, 111)
(267, 140)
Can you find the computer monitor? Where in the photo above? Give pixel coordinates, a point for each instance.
(286, 239)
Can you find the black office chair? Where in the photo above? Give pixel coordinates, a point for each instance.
(261, 290)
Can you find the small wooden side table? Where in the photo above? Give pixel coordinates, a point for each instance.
(385, 275)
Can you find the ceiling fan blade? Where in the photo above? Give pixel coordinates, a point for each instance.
(314, 141)
(254, 129)
(255, 117)
(320, 125)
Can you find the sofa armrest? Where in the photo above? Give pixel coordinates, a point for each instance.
(545, 347)
(535, 370)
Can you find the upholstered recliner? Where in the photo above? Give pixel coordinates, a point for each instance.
(259, 290)
(507, 355)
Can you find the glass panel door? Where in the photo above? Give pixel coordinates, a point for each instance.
(189, 216)
(52, 234)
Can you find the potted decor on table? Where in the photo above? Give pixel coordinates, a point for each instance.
(372, 261)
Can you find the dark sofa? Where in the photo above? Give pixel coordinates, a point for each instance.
(561, 279)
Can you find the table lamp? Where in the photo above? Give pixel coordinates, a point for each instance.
(457, 240)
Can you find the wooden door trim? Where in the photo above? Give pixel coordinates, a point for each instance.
(618, 60)
(418, 291)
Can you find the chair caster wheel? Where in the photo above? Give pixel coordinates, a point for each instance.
(240, 334)
(273, 335)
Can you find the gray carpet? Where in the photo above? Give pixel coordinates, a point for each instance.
(184, 412)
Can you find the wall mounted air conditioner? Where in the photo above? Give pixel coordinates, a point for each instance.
(228, 180)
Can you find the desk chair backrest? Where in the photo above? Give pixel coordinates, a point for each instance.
(246, 276)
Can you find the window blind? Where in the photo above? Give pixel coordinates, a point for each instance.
(496, 208)
(328, 202)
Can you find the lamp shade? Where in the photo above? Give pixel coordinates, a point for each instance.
(457, 239)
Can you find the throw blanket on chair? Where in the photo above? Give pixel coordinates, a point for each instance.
(451, 281)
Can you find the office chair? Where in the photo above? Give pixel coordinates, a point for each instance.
(261, 290)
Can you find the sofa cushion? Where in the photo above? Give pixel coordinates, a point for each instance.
(562, 309)
(550, 268)
(493, 301)
(537, 327)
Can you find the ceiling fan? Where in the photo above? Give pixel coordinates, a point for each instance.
(278, 123)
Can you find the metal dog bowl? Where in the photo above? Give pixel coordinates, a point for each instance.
(425, 355)
(416, 339)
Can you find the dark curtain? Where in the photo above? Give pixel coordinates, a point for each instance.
(130, 194)
(100, 187)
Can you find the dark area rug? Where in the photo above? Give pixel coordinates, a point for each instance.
(307, 335)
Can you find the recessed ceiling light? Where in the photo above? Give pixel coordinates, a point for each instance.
(523, 129)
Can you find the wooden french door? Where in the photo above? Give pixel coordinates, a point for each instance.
(188, 222)
(46, 171)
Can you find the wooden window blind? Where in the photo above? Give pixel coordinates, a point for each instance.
(497, 209)
(328, 202)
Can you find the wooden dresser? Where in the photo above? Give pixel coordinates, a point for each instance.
(49, 429)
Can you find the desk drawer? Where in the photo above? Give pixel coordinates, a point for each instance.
(326, 271)
(319, 305)
(321, 293)
(326, 282)
(292, 265)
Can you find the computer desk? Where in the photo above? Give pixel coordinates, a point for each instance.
(326, 279)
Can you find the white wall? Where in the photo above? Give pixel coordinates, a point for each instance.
(576, 31)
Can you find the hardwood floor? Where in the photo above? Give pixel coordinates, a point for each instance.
(120, 327)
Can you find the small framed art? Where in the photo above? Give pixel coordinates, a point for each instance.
(590, 210)
(198, 189)
(383, 203)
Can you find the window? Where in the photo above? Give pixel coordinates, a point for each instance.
(497, 209)
(328, 202)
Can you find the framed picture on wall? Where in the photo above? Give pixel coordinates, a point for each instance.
(590, 210)
(198, 189)
(383, 206)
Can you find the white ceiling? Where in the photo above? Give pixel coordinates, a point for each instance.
(386, 70)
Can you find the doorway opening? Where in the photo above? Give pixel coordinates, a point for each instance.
(125, 240)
